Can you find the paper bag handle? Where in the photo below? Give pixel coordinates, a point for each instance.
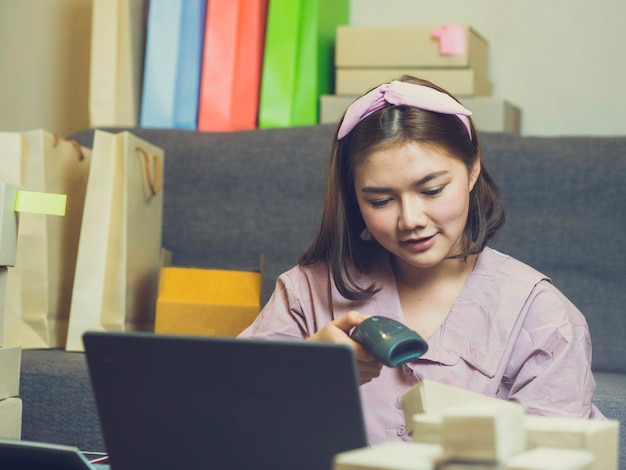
(75, 144)
(155, 185)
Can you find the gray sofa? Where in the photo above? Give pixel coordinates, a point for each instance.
(231, 196)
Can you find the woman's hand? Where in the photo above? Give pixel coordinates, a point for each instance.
(338, 331)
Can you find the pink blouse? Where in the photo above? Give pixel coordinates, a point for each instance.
(510, 334)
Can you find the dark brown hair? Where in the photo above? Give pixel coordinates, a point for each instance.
(338, 240)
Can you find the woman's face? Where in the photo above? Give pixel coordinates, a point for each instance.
(414, 199)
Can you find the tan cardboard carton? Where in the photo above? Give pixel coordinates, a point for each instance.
(11, 418)
(429, 396)
(494, 115)
(484, 432)
(426, 428)
(332, 107)
(407, 47)
(460, 465)
(600, 437)
(545, 458)
(488, 114)
(10, 363)
(207, 301)
(459, 82)
(389, 456)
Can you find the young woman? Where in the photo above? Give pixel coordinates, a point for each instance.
(409, 210)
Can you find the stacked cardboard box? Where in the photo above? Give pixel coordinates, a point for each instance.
(10, 356)
(453, 57)
(454, 429)
(10, 402)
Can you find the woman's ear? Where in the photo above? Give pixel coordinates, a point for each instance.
(474, 173)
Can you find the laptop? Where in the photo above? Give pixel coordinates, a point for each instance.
(189, 402)
(22, 455)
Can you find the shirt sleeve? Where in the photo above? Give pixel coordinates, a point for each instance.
(300, 305)
(550, 369)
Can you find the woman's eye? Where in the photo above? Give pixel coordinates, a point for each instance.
(380, 202)
(433, 192)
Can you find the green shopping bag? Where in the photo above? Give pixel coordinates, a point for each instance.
(298, 59)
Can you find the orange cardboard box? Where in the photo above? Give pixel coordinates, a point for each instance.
(207, 302)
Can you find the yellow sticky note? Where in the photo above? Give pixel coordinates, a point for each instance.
(40, 203)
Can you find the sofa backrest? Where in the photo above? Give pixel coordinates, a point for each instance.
(566, 199)
(228, 197)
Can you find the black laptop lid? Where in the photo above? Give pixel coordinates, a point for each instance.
(183, 402)
(25, 455)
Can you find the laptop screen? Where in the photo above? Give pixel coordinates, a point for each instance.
(188, 402)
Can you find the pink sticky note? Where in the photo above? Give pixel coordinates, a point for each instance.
(452, 39)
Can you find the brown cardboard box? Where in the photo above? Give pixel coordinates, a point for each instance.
(488, 114)
(10, 363)
(207, 301)
(406, 47)
(11, 418)
(459, 82)
(332, 107)
(494, 114)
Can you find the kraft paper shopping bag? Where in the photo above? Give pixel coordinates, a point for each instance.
(119, 251)
(172, 65)
(116, 66)
(231, 70)
(39, 286)
(298, 58)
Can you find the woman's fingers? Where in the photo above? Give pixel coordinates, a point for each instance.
(338, 331)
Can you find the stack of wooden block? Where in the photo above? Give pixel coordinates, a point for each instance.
(10, 356)
(454, 57)
(454, 429)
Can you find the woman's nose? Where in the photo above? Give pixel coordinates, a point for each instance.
(412, 215)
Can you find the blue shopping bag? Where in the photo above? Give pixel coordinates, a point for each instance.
(173, 61)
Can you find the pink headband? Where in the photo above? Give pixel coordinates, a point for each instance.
(402, 93)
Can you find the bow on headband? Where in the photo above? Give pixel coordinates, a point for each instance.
(402, 93)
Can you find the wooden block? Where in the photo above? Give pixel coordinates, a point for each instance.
(490, 432)
(389, 456)
(600, 437)
(546, 458)
(426, 428)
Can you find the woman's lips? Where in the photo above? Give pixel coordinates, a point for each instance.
(419, 244)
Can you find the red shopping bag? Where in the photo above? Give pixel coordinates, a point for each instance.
(232, 61)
